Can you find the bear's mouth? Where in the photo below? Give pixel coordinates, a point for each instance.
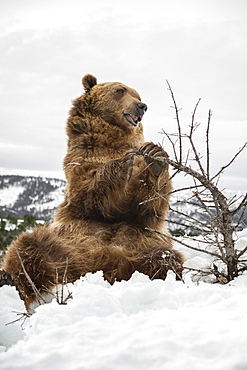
(132, 119)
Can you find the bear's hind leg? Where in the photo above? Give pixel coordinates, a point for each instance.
(115, 262)
(37, 262)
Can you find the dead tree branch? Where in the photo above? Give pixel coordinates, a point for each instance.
(208, 197)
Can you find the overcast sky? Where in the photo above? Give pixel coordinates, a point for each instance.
(199, 46)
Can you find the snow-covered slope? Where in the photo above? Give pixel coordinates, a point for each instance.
(184, 203)
(138, 324)
(36, 196)
(9, 195)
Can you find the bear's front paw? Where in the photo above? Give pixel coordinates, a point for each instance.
(155, 156)
(128, 161)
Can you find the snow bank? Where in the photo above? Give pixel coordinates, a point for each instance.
(138, 324)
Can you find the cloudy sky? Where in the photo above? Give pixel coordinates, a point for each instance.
(199, 46)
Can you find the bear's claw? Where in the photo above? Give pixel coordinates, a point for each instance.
(154, 155)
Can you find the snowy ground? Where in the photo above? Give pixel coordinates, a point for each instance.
(138, 324)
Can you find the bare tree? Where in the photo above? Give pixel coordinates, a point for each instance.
(218, 212)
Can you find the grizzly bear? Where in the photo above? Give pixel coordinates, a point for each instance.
(116, 201)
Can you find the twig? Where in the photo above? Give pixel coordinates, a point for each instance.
(231, 161)
(166, 183)
(241, 253)
(35, 290)
(207, 144)
(170, 193)
(190, 218)
(242, 204)
(178, 122)
(172, 143)
(185, 244)
(193, 127)
(23, 316)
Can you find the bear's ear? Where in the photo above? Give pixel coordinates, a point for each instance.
(88, 82)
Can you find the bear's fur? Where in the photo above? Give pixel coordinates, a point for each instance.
(106, 220)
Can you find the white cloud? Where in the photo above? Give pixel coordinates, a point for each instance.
(46, 47)
(53, 14)
(9, 147)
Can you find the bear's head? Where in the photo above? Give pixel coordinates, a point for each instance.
(105, 121)
(114, 102)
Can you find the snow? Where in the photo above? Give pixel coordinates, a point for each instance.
(135, 324)
(9, 195)
(50, 200)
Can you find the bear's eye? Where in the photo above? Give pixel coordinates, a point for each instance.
(121, 91)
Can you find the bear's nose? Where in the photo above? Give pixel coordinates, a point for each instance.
(143, 107)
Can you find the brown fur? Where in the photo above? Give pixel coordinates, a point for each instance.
(102, 223)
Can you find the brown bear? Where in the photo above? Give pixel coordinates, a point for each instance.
(117, 193)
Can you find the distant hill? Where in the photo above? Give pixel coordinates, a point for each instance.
(185, 204)
(40, 196)
(28, 195)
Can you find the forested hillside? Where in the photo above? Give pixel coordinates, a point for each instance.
(26, 195)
